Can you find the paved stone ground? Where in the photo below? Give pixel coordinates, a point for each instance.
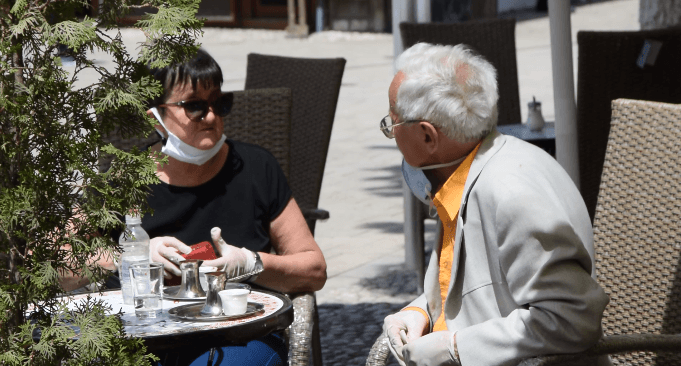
(349, 330)
(350, 323)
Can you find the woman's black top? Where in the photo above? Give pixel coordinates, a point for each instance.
(242, 199)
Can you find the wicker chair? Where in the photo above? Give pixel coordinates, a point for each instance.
(637, 239)
(262, 117)
(492, 38)
(607, 70)
(315, 84)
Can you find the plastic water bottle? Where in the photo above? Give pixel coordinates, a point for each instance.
(135, 243)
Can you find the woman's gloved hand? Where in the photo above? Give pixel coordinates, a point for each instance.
(402, 328)
(168, 250)
(233, 261)
(437, 348)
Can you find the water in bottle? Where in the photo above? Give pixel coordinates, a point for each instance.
(135, 243)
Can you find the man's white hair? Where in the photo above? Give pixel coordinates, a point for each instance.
(449, 86)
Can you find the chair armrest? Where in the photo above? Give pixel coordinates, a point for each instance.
(378, 356)
(314, 213)
(610, 345)
(300, 332)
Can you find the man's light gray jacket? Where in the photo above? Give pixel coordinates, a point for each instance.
(522, 281)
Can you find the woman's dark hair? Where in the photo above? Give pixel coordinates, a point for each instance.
(199, 70)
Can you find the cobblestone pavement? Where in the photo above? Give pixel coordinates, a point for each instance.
(348, 331)
(352, 320)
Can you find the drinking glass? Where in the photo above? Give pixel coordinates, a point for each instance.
(147, 286)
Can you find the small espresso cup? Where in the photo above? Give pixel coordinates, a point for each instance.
(234, 298)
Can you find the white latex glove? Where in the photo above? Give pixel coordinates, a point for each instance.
(168, 250)
(432, 349)
(233, 261)
(402, 328)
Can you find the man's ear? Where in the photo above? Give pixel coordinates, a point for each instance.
(431, 138)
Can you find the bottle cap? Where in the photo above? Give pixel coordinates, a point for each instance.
(133, 219)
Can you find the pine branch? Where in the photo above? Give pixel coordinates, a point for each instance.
(51, 136)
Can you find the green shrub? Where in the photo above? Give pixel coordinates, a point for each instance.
(52, 196)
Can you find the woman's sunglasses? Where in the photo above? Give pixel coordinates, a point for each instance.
(196, 110)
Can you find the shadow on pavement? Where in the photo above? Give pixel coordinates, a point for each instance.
(385, 226)
(349, 331)
(397, 227)
(395, 281)
(392, 179)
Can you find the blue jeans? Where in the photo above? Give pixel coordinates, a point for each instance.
(267, 351)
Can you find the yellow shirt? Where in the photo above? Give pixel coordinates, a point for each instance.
(447, 201)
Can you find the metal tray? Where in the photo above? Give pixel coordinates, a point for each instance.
(192, 313)
(170, 291)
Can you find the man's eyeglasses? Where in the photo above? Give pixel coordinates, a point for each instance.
(387, 125)
(196, 110)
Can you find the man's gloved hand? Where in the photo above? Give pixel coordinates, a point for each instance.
(437, 348)
(233, 261)
(402, 328)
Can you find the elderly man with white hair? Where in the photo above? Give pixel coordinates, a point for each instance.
(512, 275)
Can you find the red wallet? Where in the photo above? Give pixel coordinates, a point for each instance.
(203, 250)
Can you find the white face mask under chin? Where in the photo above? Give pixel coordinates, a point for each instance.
(182, 151)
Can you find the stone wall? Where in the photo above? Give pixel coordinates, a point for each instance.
(654, 14)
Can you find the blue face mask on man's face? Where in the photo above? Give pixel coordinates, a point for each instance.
(418, 182)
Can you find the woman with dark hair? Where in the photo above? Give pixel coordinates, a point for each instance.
(212, 181)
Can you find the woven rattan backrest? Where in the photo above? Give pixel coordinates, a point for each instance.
(314, 85)
(607, 70)
(636, 229)
(494, 39)
(263, 117)
(125, 144)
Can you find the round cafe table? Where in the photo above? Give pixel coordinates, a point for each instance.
(170, 333)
